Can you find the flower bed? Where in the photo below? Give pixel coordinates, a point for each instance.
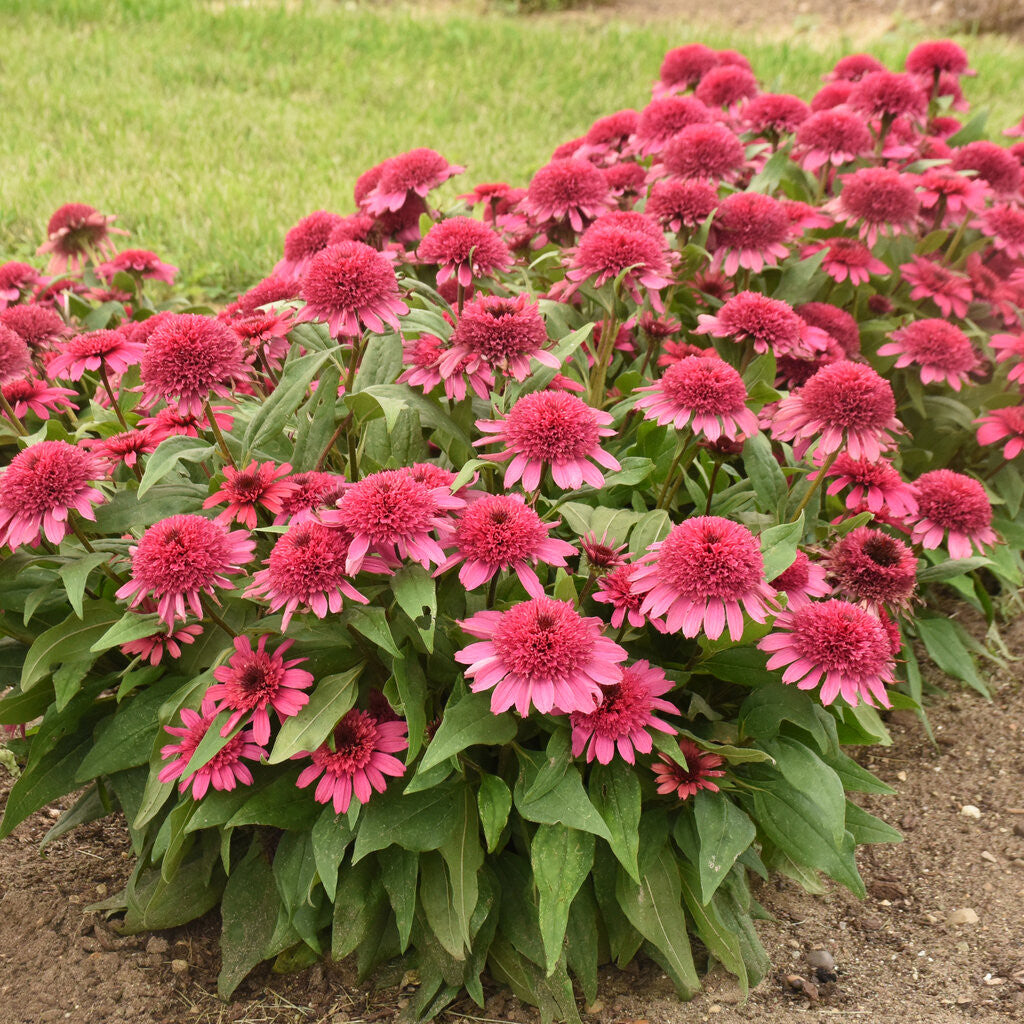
(501, 591)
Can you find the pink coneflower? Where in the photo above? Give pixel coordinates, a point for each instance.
(874, 484)
(703, 576)
(877, 200)
(804, 217)
(708, 390)
(942, 351)
(673, 351)
(679, 204)
(607, 252)
(187, 359)
(391, 514)
(626, 181)
(223, 771)
(803, 580)
(750, 230)
(835, 322)
(770, 324)
(952, 193)
(407, 175)
(15, 358)
(603, 554)
(75, 233)
(255, 680)
(662, 119)
(846, 258)
(500, 532)
(169, 641)
(844, 403)
(182, 557)
(356, 760)
(540, 653)
(620, 722)
(169, 421)
(110, 350)
(124, 447)
(139, 263)
(16, 279)
(837, 644)
(685, 782)
(348, 283)
(30, 393)
(928, 279)
(551, 428)
(567, 190)
(833, 137)
(259, 484)
(774, 114)
(888, 94)
(956, 506)
(304, 241)
(263, 333)
(464, 248)
(873, 568)
(356, 227)
(726, 85)
(937, 55)
(1003, 423)
(685, 66)
(992, 163)
(423, 357)
(42, 486)
(853, 67)
(704, 151)
(609, 136)
(275, 288)
(830, 96)
(306, 570)
(1010, 347)
(1004, 224)
(617, 589)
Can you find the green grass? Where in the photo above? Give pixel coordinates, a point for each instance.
(210, 128)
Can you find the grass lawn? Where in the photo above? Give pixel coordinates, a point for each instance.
(210, 128)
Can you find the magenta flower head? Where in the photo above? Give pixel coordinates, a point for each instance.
(551, 429)
(936, 56)
(992, 164)
(874, 484)
(255, 680)
(888, 94)
(15, 358)
(566, 190)
(831, 138)
(664, 117)
(182, 557)
(703, 151)
(223, 771)
(702, 767)
(702, 576)
(188, 358)
(873, 568)
(40, 489)
(616, 588)
(774, 113)
(302, 242)
(685, 66)
(16, 279)
(355, 760)
(1001, 424)
(139, 263)
(682, 204)
(801, 581)
(943, 352)
(846, 258)
(259, 484)
(406, 176)
(750, 230)
(304, 495)
(620, 722)
(464, 248)
(837, 644)
(853, 67)
(109, 351)
(956, 507)
(75, 233)
(349, 284)
(769, 324)
(876, 200)
(27, 393)
(726, 85)
(540, 653)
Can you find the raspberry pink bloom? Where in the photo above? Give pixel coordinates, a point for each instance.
(876, 200)
(15, 279)
(709, 391)
(874, 484)
(275, 288)
(406, 176)
(616, 588)
(888, 94)
(551, 429)
(941, 350)
(682, 204)
(259, 484)
(1010, 348)
(837, 644)
(139, 263)
(125, 447)
(685, 66)
(992, 164)
(609, 137)
(1002, 424)
(803, 580)
(725, 86)
(950, 194)
(169, 421)
(303, 495)
(501, 532)
(774, 114)
(662, 119)
(703, 576)
(429, 363)
(835, 322)
(956, 507)
(304, 241)
(770, 324)
(620, 722)
(603, 554)
(255, 680)
(831, 137)
(935, 56)
(830, 96)
(356, 227)
(1004, 224)
(566, 190)
(750, 230)
(703, 151)
(392, 514)
(42, 486)
(349, 283)
(15, 358)
(109, 351)
(928, 279)
(853, 67)
(27, 393)
(181, 558)
(187, 359)
(225, 770)
(847, 259)
(701, 768)
(626, 181)
(306, 570)
(167, 641)
(77, 232)
(843, 404)
(873, 568)
(540, 653)
(39, 326)
(464, 248)
(356, 760)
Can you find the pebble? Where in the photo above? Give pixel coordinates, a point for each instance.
(1018, 829)
(970, 811)
(101, 889)
(179, 966)
(157, 945)
(985, 855)
(821, 958)
(965, 915)
(595, 1007)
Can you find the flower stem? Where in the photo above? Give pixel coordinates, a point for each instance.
(113, 398)
(685, 449)
(588, 588)
(599, 374)
(215, 427)
(84, 541)
(9, 413)
(492, 591)
(216, 619)
(711, 487)
(815, 484)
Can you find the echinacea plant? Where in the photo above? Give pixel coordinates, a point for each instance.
(498, 589)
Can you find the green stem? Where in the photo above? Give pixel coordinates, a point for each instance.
(215, 427)
(588, 589)
(492, 591)
(599, 374)
(711, 487)
(677, 463)
(815, 484)
(84, 541)
(113, 398)
(9, 413)
(216, 619)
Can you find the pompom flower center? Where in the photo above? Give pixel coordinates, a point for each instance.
(543, 639)
(711, 557)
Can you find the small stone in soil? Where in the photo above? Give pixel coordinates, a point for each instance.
(970, 811)
(965, 915)
(821, 958)
(157, 945)
(179, 966)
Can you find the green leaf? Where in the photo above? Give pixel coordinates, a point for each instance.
(764, 472)
(372, 622)
(466, 723)
(172, 450)
(951, 568)
(412, 691)
(127, 512)
(561, 858)
(71, 640)
(381, 361)
(651, 527)
(420, 821)
(92, 805)
(398, 871)
(615, 792)
(779, 547)
(438, 898)
(866, 828)
(154, 904)
(359, 892)
(743, 665)
(290, 392)
(763, 712)
(806, 772)
(76, 575)
(566, 804)
(494, 800)
(552, 768)
(716, 934)
(331, 698)
(724, 832)
(798, 283)
(129, 627)
(582, 951)
(295, 874)
(416, 594)
(332, 836)
(943, 642)
(654, 909)
(279, 805)
(464, 856)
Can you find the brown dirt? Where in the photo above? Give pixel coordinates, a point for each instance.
(896, 957)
